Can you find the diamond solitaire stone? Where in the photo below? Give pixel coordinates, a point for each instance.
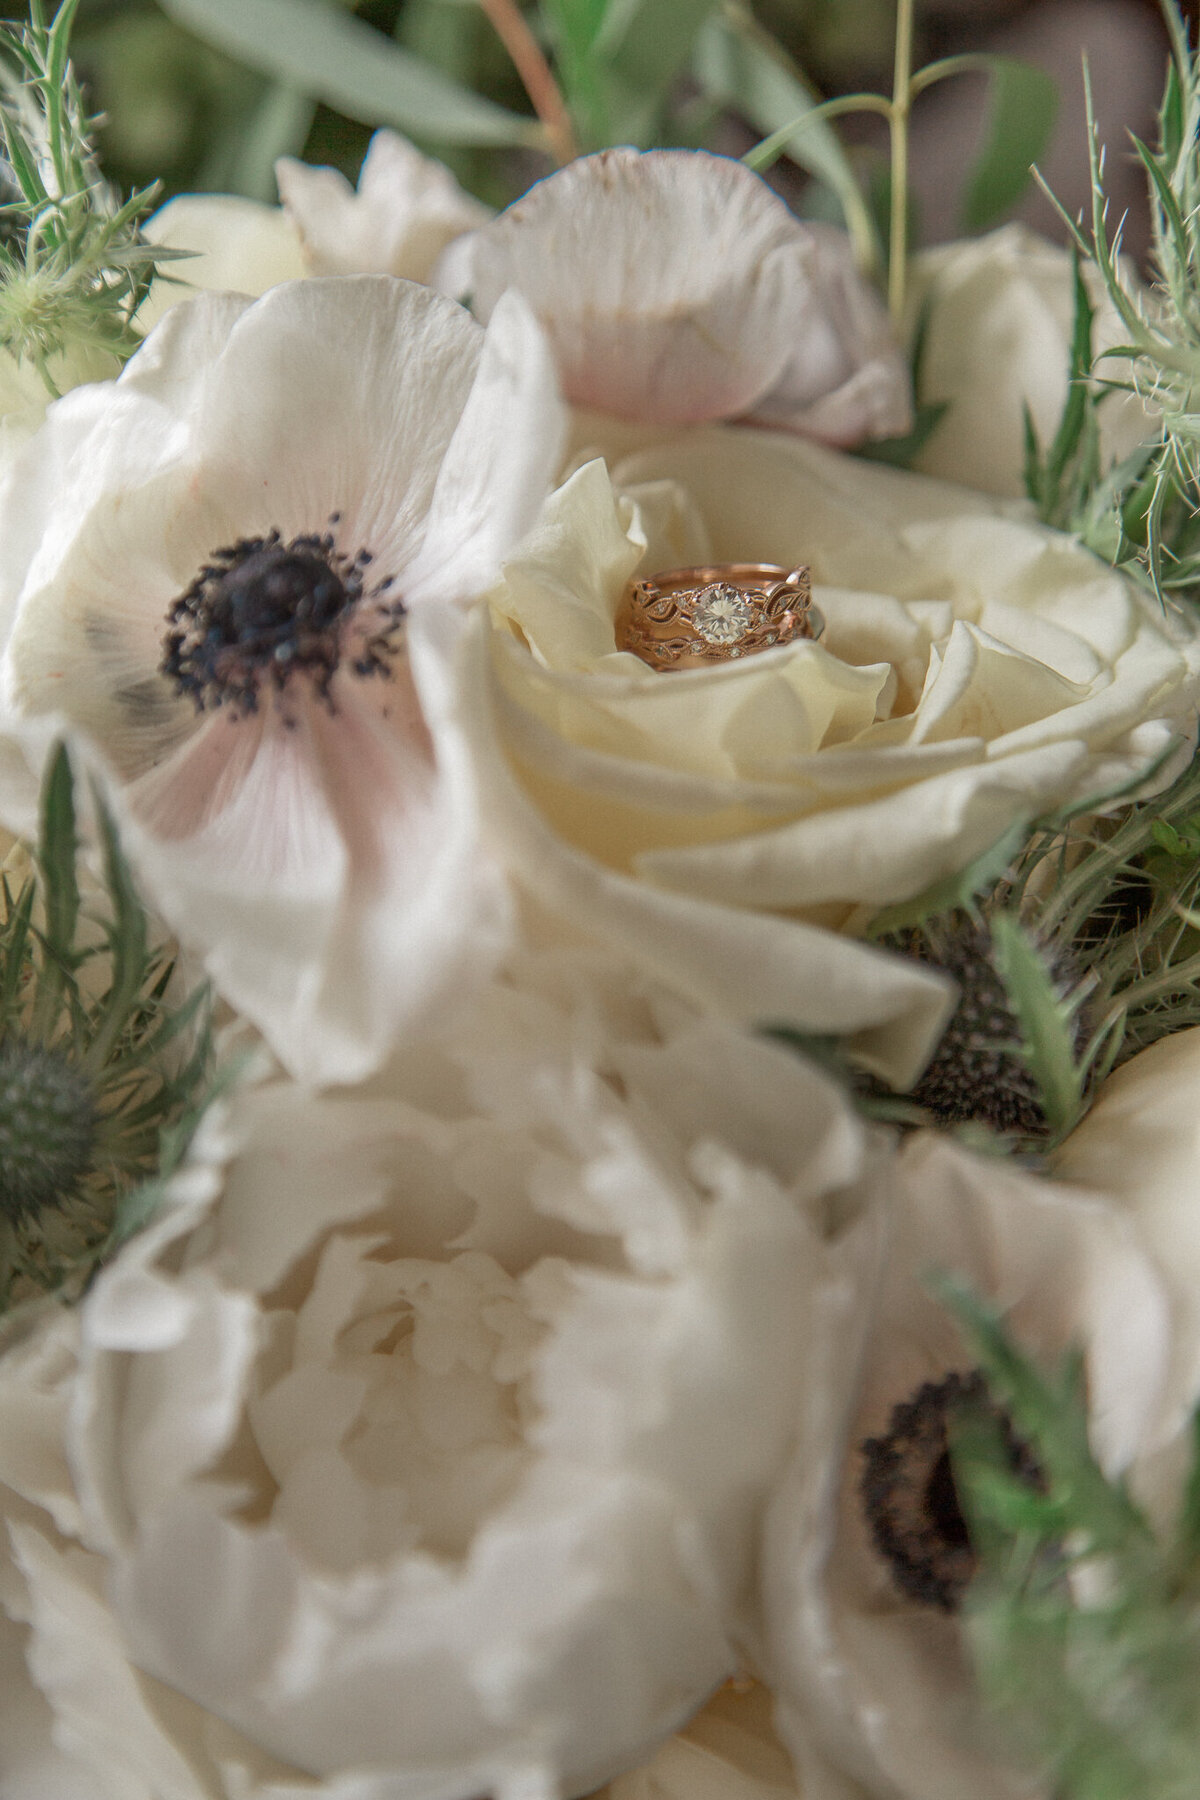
(721, 613)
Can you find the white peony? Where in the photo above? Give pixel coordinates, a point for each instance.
(676, 287)
(999, 313)
(873, 1688)
(419, 1449)
(729, 1751)
(236, 571)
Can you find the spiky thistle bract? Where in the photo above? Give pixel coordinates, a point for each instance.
(1075, 943)
(103, 1073)
(74, 266)
(1146, 512)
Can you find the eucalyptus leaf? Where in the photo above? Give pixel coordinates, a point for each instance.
(575, 26)
(739, 65)
(278, 126)
(644, 45)
(334, 57)
(1024, 106)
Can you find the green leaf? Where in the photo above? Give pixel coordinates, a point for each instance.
(574, 26)
(1045, 1019)
(739, 65)
(643, 46)
(1024, 105)
(332, 56)
(57, 850)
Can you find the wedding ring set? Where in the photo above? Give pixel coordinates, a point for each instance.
(692, 618)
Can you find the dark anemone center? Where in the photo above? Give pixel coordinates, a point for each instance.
(47, 1128)
(274, 597)
(909, 1496)
(262, 613)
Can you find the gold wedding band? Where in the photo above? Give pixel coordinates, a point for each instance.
(692, 618)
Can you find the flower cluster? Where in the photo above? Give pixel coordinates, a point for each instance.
(526, 1375)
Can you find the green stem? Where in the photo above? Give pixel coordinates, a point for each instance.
(901, 104)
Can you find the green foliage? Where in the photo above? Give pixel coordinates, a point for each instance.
(320, 50)
(1156, 499)
(74, 267)
(91, 1036)
(1046, 1020)
(738, 64)
(1061, 479)
(1024, 106)
(1094, 924)
(1083, 1626)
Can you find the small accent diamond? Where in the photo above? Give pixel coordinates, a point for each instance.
(721, 613)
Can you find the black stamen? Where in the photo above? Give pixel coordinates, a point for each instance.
(909, 1497)
(262, 613)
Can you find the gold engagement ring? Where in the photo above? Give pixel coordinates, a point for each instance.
(692, 618)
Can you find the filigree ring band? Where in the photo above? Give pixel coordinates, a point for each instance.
(692, 618)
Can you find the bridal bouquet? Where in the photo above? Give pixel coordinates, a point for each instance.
(599, 964)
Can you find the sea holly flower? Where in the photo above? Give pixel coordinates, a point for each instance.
(102, 1075)
(237, 571)
(676, 288)
(445, 1413)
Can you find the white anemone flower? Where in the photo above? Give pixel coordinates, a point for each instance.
(405, 211)
(866, 1554)
(677, 288)
(236, 572)
(419, 1450)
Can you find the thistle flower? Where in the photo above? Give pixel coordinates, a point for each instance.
(100, 1073)
(1074, 946)
(1150, 502)
(74, 267)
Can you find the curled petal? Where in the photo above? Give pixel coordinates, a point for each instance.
(676, 287)
(407, 209)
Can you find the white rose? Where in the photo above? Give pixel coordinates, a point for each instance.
(866, 1554)
(235, 245)
(420, 1448)
(998, 339)
(975, 671)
